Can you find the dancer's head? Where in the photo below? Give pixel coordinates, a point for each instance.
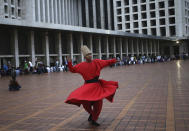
(86, 53)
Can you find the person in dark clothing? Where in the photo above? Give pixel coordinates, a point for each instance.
(13, 85)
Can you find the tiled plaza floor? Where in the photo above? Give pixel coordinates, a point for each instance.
(150, 97)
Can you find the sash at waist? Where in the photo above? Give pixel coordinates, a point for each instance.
(94, 80)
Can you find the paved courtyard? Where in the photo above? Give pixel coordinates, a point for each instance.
(150, 97)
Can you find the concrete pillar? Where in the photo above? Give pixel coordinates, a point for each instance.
(115, 14)
(81, 44)
(48, 12)
(32, 47)
(80, 12)
(39, 10)
(137, 46)
(109, 14)
(94, 13)
(43, 6)
(60, 11)
(127, 47)
(102, 14)
(155, 44)
(171, 50)
(56, 12)
(46, 45)
(15, 48)
(167, 18)
(151, 43)
(158, 48)
(146, 47)
(121, 49)
(52, 10)
(107, 47)
(132, 46)
(59, 45)
(142, 47)
(71, 45)
(91, 43)
(99, 47)
(87, 12)
(114, 47)
(123, 14)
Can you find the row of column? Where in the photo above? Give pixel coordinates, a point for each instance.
(126, 46)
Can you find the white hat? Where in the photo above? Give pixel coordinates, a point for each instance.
(85, 50)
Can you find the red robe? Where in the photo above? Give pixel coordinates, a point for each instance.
(92, 91)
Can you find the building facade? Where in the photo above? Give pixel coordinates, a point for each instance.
(53, 29)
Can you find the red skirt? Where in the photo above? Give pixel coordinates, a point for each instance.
(93, 92)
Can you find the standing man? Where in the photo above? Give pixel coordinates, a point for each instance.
(94, 90)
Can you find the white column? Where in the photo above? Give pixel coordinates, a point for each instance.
(63, 11)
(123, 14)
(80, 12)
(146, 47)
(91, 43)
(109, 14)
(46, 44)
(115, 15)
(87, 12)
(48, 12)
(94, 13)
(72, 12)
(99, 47)
(142, 47)
(32, 47)
(52, 10)
(43, 5)
(155, 52)
(102, 14)
(127, 48)
(59, 43)
(56, 12)
(137, 46)
(81, 44)
(71, 45)
(167, 18)
(15, 47)
(114, 47)
(60, 10)
(158, 47)
(120, 47)
(107, 47)
(66, 12)
(39, 11)
(151, 47)
(132, 47)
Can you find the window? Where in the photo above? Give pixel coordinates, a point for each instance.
(119, 18)
(153, 31)
(171, 11)
(6, 9)
(135, 16)
(126, 2)
(161, 4)
(152, 6)
(153, 14)
(143, 1)
(144, 23)
(144, 31)
(135, 24)
(153, 22)
(136, 31)
(135, 9)
(171, 3)
(162, 21)
(118, 3)
(143, 7)
(127, 17)
(119, 27)
(172, 20)
(19, 3)
(134, 1)
(19, 13)
(126, 10)
(162, 31)
(12, 2)
(161, 13)
(12, 11)
(127, 25)
(118, 11)
(144, 16)
(172, 30)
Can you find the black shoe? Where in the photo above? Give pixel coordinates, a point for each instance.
(90, 118)
(95, 123)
